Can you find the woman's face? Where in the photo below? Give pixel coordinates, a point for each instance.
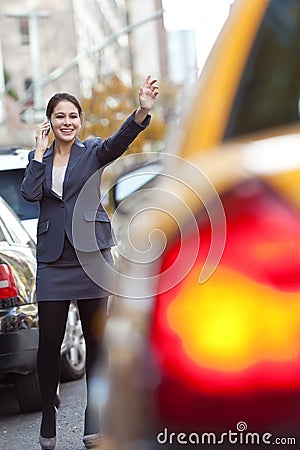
(65, 121)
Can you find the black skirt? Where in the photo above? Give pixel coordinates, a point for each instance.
(65, 278)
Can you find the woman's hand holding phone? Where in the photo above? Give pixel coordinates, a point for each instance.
(41, 139)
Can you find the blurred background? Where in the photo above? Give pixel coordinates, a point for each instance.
(100, 51)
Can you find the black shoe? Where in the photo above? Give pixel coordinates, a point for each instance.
(93, 440)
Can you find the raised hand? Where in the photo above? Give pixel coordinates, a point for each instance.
(147, 96)
(148, 93)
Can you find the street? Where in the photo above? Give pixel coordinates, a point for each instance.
(21, 431)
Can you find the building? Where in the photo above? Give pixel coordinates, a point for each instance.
(45, 50)
(147, 43)
(55, 46)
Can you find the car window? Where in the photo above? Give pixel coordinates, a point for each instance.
(12, 225)
(269, 91)
(135, 180)
(10, 186)
(2, 236)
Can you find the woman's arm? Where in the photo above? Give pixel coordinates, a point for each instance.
(31, 188)
(117, 144)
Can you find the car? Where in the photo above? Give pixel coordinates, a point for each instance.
(13, 161)
(204, 328)
(18, 310)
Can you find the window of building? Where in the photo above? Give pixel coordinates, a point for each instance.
(28, 91)
(24, 30)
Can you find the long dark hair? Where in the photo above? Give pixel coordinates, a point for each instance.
(62, 96)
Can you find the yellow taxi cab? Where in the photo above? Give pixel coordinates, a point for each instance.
(204, 329)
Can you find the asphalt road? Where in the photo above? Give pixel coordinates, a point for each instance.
(21, 431)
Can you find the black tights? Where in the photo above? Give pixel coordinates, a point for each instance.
(52, 322)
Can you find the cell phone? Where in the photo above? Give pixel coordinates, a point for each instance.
(49, 123)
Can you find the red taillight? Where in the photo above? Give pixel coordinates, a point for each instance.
(8, 288)
(240, 330)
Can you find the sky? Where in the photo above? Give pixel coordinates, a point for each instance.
(206, 17)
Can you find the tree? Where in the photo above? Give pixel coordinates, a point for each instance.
(110, 103)
(11, 91)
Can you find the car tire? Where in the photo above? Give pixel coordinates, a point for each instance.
(28, 392)
(73, 348)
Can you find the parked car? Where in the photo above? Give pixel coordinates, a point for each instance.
(204, 329)
(18, 309)
(13, 162)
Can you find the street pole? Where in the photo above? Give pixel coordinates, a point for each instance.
(32, 16)
(2, 84)
(35, 58)
(97, 48)
(33, 115)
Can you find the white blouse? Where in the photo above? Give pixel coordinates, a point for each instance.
(58, 176)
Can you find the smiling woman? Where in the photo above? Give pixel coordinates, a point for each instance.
(55, 177)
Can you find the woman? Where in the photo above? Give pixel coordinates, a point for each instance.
(55, 176)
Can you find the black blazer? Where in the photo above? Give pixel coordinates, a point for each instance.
(79, 213)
